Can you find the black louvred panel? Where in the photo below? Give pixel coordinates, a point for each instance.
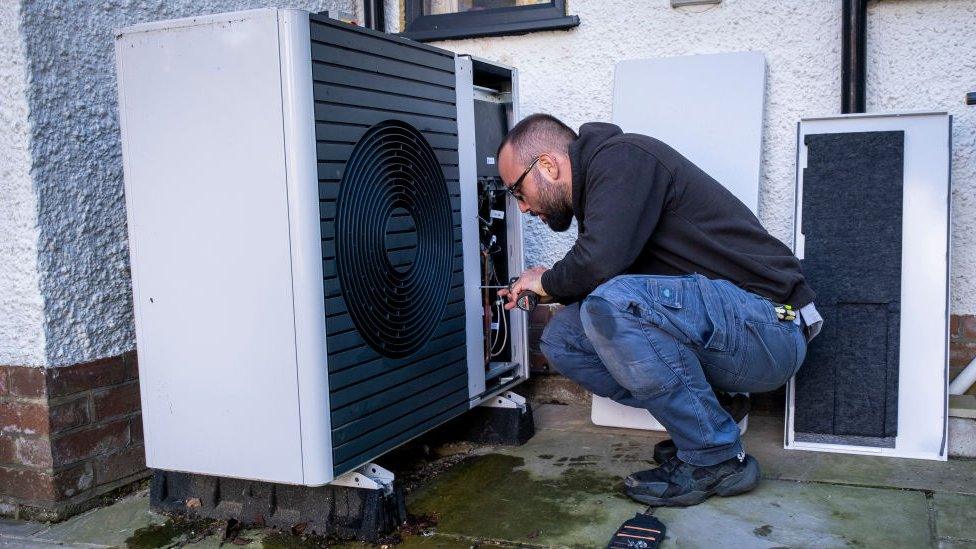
(389, 201)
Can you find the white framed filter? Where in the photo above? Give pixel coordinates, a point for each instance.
(872, 228)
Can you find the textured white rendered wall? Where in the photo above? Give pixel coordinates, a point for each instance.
(77, 167)
(21, 307)
(922, 55)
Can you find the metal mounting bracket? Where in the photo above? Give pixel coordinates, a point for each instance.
(369, 477)
(507, 399)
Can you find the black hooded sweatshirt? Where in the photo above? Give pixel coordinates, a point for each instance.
(642, 208)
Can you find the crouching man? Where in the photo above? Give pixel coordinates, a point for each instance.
(672, 290)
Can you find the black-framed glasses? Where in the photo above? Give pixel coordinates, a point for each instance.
(513, 189)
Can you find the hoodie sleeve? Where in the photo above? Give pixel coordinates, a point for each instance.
(626, 191)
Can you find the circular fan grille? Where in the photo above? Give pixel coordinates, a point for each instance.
(394, 239)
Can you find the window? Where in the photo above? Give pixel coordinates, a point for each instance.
(444, 19)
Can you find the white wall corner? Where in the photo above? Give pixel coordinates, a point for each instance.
(21, 306)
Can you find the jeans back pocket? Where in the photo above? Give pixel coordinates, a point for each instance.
(719, 313)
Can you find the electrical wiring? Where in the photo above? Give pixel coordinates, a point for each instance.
(503, 329)
(495, 317)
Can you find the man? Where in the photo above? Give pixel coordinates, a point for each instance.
(672, 288)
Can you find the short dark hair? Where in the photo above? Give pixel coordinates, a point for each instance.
(538, 134)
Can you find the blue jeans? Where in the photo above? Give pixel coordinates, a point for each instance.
(663, 342)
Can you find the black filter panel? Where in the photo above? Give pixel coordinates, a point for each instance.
(847, 389)
(491, 122)
(389, 199)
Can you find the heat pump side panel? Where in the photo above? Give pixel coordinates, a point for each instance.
(205, 185)
(467, 164)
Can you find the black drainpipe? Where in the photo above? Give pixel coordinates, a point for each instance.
(853, 55)
(373, 15)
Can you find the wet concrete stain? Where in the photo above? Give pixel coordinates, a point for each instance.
(167, 533)
(491, 496)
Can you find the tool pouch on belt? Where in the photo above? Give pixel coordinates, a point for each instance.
(785, 312)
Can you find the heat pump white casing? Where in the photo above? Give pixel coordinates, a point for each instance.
(223, 174)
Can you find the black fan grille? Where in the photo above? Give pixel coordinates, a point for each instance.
(394, 239)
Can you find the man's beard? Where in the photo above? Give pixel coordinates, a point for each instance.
(555, 204)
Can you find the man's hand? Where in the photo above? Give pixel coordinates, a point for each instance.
(530, 280)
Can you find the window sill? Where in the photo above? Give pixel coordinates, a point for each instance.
(499, 29)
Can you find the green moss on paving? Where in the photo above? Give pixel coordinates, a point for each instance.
(157, 535)
(493, 497)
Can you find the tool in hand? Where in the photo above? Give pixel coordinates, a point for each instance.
(527, 300)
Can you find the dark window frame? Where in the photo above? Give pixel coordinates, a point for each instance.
(491, 22)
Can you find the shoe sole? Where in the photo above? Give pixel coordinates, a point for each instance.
(739, 483)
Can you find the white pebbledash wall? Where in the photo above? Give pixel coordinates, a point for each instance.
(64, 283)
(65, 296)
(921, 56)
(21, 307)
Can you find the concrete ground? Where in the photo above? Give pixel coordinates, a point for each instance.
(563, 489)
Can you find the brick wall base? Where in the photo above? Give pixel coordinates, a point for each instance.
(68, 436)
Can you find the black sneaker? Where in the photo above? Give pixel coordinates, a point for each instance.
(679, 484)
(664, 451)
(737, 406)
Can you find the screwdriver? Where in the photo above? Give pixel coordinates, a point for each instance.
(527, 300)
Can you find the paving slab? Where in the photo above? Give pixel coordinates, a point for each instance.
(790, 514)
(563, 489)
(21, 543)
(19, 528)
(106, 526)
(560, 489)
(764, 440)
(955, 516)
(416, 542)
(951, 544)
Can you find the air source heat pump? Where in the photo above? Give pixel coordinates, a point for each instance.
(303, 204)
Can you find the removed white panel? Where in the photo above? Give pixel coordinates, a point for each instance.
(609, 413)
(708, 107)
(923, 352)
